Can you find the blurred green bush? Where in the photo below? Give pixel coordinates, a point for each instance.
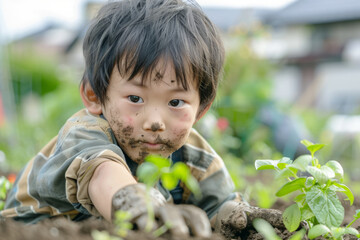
(54, 96)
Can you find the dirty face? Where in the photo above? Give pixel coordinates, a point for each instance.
(151, 118)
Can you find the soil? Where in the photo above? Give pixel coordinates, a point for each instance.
(61, 228)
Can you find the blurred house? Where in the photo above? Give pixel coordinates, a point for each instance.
(49, 41)
(317, 43)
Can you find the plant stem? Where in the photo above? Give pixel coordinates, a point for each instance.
(161, 230)
(351, 223)
(150, 209)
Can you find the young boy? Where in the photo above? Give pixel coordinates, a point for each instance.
(152, 70)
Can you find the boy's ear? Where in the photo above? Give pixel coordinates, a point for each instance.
(202, 112)
(90, 100)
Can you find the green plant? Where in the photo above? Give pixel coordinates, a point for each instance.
(265, 229)
(317, 203)
(4, 188)
(157, 168)
(122, 226)
(122, 223)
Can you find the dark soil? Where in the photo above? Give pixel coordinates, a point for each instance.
(61, 228)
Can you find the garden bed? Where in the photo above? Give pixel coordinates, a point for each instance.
(60, 228)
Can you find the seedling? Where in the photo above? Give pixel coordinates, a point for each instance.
(317, 202)
(4, 188)
(268, 232)
(122, 223)
(122, 226)
(154, 168)
(157, 168)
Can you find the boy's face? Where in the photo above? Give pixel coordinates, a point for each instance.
(153, 118)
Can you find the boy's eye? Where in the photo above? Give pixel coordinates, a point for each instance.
(135, 99)
(176, 103)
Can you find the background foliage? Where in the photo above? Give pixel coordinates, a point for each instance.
(235, 126)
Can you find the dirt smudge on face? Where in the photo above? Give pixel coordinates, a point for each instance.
(127, 131)
(155, 127)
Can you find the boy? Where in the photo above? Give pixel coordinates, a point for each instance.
(151, 72)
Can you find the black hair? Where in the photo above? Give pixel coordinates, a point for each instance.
(135, 34)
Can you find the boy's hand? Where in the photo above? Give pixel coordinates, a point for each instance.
(234, 217)
(181, 218)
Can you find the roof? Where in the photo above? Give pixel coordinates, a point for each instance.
(225, 18)
(316, 12)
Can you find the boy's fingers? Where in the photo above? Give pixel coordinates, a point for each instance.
(171, 215)
(196, 219)
(238, 219)
(231, 214)
(142, 221)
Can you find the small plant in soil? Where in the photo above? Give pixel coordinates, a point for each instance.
(315, 188)
(154, 168)
(157, 168)
(4, 188)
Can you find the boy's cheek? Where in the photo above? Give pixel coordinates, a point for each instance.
(181, 134)
(186, 118)
(129, 121)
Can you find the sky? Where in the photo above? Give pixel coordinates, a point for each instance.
(19, 17)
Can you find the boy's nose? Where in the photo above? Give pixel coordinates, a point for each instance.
(154, 122)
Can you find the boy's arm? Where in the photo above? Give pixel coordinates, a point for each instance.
(108, 177)
(112, 187)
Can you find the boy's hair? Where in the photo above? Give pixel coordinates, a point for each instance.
(136, 34)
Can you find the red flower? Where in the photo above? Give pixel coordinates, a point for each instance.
(222, 123)
(11, 177)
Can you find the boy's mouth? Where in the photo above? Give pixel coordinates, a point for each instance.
(153, 146)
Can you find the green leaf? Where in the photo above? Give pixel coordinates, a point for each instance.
(357, 214)
(4, 187)
(306, 143)
(337, 168)
(306, 212)
(298, 235)
(193, 185)
(322, 174)
(158, 161)
(317, 231)
(284, 173)
(310, 181)
(169, 181)
(266, 164)
(351, 230)
(302, 162)
(337, 232)
(326, 207)
(300, 198)
(315, 147)
(292, 217)
(181, 170)
(284, 162)
(346, 191)
(290, 187)
(148, 173)
(265, 229)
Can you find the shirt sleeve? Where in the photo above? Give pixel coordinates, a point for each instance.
(209, 169)
(63, 180)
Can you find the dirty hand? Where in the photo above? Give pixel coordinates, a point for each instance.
(181, 218)
(236, 216)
